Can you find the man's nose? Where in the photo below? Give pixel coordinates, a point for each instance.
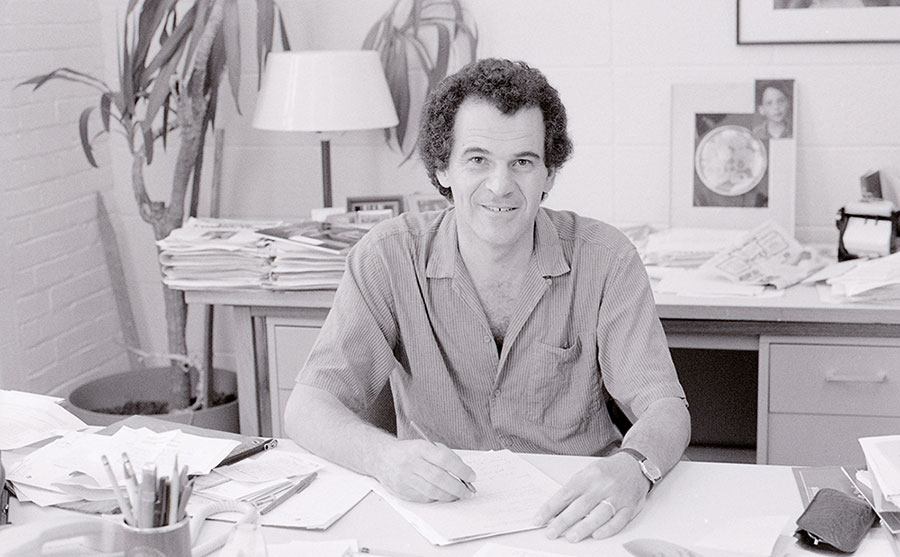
(501, 181)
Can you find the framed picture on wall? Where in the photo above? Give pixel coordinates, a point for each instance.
(422, 202)
(818, 21)
(376, 203)
(733, 154)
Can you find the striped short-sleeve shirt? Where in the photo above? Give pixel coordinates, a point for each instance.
(584, 328)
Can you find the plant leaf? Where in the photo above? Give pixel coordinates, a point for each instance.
(148, 143)
(373, 34)
(165, 124)
(127, 86)
(83, 133)
(153, 12)
(64, 73)
(442, 57)
(105, 102)
(398, 82)
(174, 44)
(231, 28)
(199, 24)
(265, 23)
(285, 43)
(161, 91)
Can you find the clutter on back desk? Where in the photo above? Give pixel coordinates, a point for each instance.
(867, 229)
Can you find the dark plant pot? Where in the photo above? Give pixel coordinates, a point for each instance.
(152, 384)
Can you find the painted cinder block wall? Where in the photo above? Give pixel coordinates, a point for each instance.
(613, 62)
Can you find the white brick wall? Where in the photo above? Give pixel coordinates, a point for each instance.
(59, 322)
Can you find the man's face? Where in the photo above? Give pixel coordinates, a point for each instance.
(774, 104)
(497, 174)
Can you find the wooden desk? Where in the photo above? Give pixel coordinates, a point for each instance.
(817, 361)
(693, 501)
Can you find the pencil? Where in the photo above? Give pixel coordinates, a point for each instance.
(421, 433)
(120, 499)
(297, 488)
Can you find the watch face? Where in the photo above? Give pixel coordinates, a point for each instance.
(651, 471)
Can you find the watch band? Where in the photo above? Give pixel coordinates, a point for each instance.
(650, 470)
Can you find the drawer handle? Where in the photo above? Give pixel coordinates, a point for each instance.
(839, 378)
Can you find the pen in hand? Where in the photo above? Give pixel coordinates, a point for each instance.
(421, 433)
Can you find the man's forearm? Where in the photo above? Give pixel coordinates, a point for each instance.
(319, 422)
(662, 432)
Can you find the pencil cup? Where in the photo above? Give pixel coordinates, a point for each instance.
(173, 540)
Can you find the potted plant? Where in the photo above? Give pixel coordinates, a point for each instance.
(419, 35)
(173, 54)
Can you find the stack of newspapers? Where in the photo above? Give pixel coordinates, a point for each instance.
(309, 255)
(209, 253)
(216, 253)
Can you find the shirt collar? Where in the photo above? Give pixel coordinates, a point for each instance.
(548, 253)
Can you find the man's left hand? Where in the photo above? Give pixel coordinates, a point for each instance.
(598, 501)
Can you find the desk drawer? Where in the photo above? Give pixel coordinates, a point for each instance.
(292, 346)
(810, 440)
(840, 379)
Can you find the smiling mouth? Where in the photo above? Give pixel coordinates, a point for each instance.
(500, 209)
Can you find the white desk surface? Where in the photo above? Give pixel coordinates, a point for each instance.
(798, 304)
(692, 501)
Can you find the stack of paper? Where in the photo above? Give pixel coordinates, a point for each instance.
(510, 492)
(70, 469)
(215, 253)
(883, 460)
(869, 280)
(301, 267)
(310, 254)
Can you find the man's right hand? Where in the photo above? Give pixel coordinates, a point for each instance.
(422, 472)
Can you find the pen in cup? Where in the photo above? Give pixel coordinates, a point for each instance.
(120, 499)
(421, 433)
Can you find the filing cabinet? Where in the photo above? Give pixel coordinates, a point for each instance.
(818, 395)
(289, 344)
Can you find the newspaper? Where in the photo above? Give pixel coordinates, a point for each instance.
(767, 255)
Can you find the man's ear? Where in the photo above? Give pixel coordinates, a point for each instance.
(551, 178)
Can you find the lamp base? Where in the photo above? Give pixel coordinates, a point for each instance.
(326, 173)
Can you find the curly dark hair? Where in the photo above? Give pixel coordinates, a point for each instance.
(509, 86)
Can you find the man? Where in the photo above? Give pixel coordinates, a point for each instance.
(499, 324)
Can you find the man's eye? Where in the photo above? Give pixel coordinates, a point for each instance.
(476, 160)
(523, 163)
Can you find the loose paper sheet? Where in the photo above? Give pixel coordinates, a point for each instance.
(510, 492)
(27, 418)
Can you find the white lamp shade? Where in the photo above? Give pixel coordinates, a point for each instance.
(324, 91)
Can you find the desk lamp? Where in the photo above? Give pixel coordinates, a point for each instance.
(324, 91)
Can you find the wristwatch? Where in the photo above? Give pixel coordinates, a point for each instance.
(650, 470)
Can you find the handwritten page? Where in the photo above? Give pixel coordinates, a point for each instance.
(27, 418)
(510, 491)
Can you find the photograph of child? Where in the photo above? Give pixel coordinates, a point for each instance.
(775, 109)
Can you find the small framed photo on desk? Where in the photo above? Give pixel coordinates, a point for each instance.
(376, 203)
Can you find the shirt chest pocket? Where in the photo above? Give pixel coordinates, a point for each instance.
(563, 385)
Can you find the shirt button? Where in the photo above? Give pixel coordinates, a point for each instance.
(497, 393)
(487, 338)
